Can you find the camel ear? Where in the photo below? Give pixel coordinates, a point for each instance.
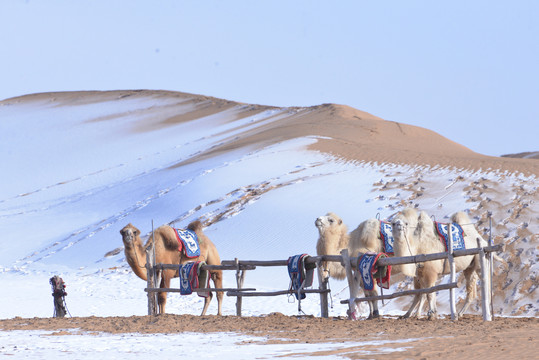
(340, 221)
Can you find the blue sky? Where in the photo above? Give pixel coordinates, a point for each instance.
(468, 70)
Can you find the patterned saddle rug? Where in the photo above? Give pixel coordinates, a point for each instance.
(301, 274)
(187, 242)
(386, 233)
(193, 277)
(369, 271)
(457, 234)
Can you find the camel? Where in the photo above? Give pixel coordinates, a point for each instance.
(334, 236)
(166, 252)
(418, 236)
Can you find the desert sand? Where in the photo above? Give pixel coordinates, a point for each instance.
(469, 337)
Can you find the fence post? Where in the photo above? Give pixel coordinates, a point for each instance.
(150, 283)
(322, 285)
(491, 267)
(454, 315)
(151, 277)
(352, 285)
(240, 277)
(484, 284)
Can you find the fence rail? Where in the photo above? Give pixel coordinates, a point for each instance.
(437, 256)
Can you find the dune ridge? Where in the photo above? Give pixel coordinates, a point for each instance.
(342, 131)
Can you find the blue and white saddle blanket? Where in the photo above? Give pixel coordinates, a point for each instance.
(368, 271)
(386, 233)
(193, 277)
(301, 275)
(457, 235)
(188, 242)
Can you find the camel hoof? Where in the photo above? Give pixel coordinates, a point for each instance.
(375, 315)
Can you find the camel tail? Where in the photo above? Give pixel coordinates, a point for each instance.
(195, 226)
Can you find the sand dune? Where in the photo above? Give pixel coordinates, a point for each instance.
(344, 131)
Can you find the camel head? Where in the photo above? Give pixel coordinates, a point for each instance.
(328, 223)
(404, 226)
(129, 234)
(404, 223)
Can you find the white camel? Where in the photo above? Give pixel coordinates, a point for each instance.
(334, 236)
(414, 236)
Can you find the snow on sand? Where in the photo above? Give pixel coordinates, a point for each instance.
(81, 167)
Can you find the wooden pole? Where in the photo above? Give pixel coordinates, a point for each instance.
(491, 267)
(207, 267)
(353, 286)
(197, 290)
(484, 285)
(454, 315)
(248, 292)
(323, 286)
(402, 293)
(240, 277)
(151, 277)
(429, 257)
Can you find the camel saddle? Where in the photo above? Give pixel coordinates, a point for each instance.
(301, 274)
(369, 271)
(187, 242)
(386, 233)
(457, 235)
(193, 277)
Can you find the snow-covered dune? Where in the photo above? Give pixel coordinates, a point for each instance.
(77, 167)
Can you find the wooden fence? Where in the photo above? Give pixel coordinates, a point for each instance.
(239, 292)
(240, 266)
(485, 263)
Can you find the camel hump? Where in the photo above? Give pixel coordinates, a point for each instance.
(460, 218)
(195, 226)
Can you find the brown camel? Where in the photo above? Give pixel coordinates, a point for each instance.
(166, 252)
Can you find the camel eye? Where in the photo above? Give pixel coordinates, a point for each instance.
(330, 221)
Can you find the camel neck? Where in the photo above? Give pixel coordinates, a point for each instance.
(136, 258)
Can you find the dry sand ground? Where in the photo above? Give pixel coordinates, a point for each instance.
(469, 338)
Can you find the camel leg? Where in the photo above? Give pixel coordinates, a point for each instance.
(421, 305)
(433, 311)
(413, 306)
(429, 280)
(207, 301)
(415, 302)
(471, 290)
(162, 297)
(373, 305)
(217, 278)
